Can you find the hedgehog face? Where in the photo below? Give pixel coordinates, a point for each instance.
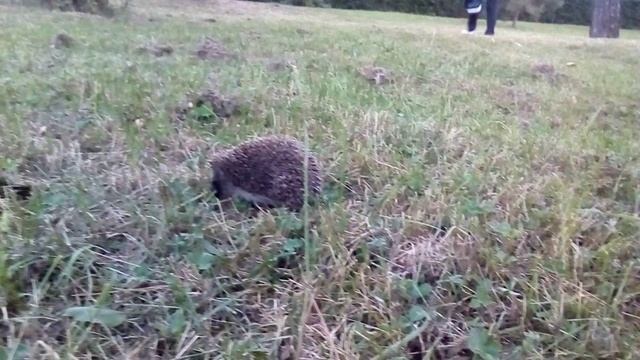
(220, 185)
(223, 189)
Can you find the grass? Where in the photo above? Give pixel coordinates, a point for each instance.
(487, 202)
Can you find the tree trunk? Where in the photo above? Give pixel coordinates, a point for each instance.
(605, 21)
(514, 18)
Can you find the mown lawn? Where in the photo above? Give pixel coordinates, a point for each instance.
(484, 201)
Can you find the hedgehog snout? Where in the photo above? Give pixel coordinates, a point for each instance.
(218, 185)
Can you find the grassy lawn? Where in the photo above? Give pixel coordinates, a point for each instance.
(484, 202)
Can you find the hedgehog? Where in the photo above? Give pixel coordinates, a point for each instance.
(267, 172)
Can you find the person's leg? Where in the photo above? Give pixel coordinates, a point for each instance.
(472, 22)
(472, 19)
(492, 16)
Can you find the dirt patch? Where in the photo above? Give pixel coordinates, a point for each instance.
(207, 104)
(515, 101)
(63, 41)
(222, 105)
(376, 75)
(279, 64)
(546, 72)
(156, 50)
(212, 49)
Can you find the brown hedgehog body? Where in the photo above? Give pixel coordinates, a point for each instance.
(267, 171)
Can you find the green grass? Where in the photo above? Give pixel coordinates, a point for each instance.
(533, 175)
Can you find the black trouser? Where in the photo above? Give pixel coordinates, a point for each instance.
(492, 18)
